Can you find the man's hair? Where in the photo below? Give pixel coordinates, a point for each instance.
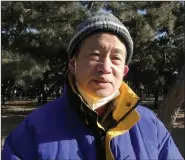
(101, 22)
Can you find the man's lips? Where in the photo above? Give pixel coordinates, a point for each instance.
(101, 82)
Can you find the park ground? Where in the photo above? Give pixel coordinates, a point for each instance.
(13, 112)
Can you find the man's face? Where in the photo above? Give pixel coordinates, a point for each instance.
(100, 65)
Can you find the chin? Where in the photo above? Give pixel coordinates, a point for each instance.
(103, 93)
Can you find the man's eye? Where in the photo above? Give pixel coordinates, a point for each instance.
(116, 58)
(95, 54)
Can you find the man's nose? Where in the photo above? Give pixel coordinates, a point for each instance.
(104, 66)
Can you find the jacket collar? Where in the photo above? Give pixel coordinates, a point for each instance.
(125, 102)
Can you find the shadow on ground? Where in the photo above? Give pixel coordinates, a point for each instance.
(25, 105)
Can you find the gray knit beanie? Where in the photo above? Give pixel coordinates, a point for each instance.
(105, 22)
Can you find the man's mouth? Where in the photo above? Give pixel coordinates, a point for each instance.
(101, 82)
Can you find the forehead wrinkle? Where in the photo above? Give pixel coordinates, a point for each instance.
(106, 46)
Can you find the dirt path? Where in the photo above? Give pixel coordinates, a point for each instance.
(14, 112)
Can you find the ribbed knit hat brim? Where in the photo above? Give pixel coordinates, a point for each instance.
(101, 22)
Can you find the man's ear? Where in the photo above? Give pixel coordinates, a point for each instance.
(71, 65)
(126, 69)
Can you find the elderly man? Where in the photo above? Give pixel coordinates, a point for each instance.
(98, 116)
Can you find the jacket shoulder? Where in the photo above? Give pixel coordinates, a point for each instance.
(146, 113)
(48, 109)
(156, 134)
(148, 123)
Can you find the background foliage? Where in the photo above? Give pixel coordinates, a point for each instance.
(35, 36)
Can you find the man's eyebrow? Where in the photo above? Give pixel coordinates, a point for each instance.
(117, 50)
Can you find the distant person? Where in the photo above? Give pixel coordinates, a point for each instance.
(98, 116)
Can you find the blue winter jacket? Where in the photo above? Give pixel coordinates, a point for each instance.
(56, 131)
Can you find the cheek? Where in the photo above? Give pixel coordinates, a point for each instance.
(85, 70)
(89, 67)
(118, 80)
(118, 72)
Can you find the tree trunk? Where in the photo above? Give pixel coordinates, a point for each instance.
(44, 93)
(3, 94)
(156, 95)
(173, 101)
